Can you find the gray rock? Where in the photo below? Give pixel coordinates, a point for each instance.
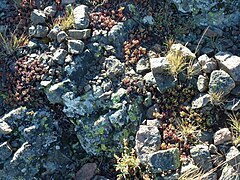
(221, 82)
(194, 69)
(200, 100)
(229, 173)
(59, 56)
(165, 160)
(221, 136)
(75, 46)
(78, 106)
(53, 33)
(148, 140)
(208, 64)
(154, 122)
(148, 100)
(151, 110)
(185, 52)
(81, 17)
(149, 20)
(236, 90)
(222, 56)
(119, 118)
(149, 79)
(159, 65)
(5, 128)
(55, 92)
(233, 104)
(233, 157)
(50, 11)
(86, 172)
(5, 151)
(201, 157)
(114, 67)
(39, 31)
(61, 36)
(232, 66)
(214, 32)
(79, 34)
(213, 149)
(143, 66)
(97, 177)
(202, 83)
(37, 17)
(164, 82)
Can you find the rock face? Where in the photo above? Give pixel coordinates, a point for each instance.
(221, 82)
(148, 140)
(165, 160)
(81, 17)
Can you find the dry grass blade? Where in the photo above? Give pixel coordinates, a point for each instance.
(177, 62)
(234, 120)
(217, 98)
(66, 22)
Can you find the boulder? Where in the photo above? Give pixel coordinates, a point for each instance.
(61, 36)
(221, 82)
(159, 65)
(59, 56)
(81, 17)
(37, 17)
(200, 101)
(143, 66)
(207, 64)
(50, 11)
(202, 83)
(79, 34)
(221, 136)
(114, 67)
(165, 160)
(75, 46)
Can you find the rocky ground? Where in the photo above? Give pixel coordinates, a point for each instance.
(106, 89)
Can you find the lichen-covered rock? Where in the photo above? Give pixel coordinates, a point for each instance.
(55, 92)
(75, 46)
(159, 65)
(81, 17)
(201, 156)
(165, 160)
(37, 17)
(202, 83)
(232, 66)
(200, 101)
(184, 51)
(164, 82)
(221, 82)
(148, 140)
(221, 136)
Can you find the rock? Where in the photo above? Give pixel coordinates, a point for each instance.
(222, 56)
(5, 151)
(186, 6)
(159, 65)
(5, 128)
(78, 106)
(213, 149)
(200, 100)
(236, 90)
(53, 33)
(81, 17)
(221, 136)
(165, 160)
(50, 11)
(55, 92)
(202, 83)
(37, 17)
(233, 157)
(154, 122)
(151, 110)
(79, 34)
(86, 172)
(189, 168)
(149, 79)
(233, 104)
(114, 67)
(185, 52)
(97, 177)
(148, 140)
(59, 56)
(164, 82)
(229, 173)
(61, 36)
(118, 95)
(149, 20)
(75, 46)
(231, 65)
(208, 64)
(201, 157)
(39, 31)
(214, 32)
(195, 69)
(143, 66)
(221, 82)
(119, 118)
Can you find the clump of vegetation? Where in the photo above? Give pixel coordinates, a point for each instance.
(177, 62)
(235, 127)
(66, 22)
(216, 98)
(127, 165)
(10, 45)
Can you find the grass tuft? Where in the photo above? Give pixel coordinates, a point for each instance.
(234, 120)
(66, 22)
